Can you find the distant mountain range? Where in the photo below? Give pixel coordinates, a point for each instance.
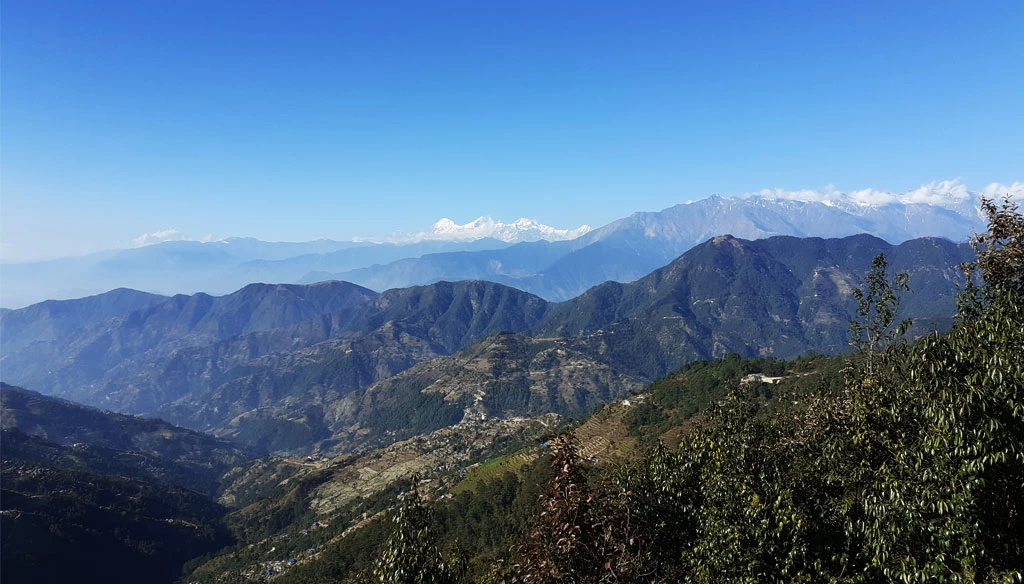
(556, 264)
(629, 248)
(284, 366)
(218, 267)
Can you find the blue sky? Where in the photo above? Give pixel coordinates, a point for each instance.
(300, 120)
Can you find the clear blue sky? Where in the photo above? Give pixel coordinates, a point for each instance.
(299, 120)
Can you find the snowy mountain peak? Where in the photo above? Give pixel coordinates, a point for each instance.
(948, 194)
(521, 229)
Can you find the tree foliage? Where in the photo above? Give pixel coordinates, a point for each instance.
(580, 537)
(877, 307)
(410, 555)
(999, 263)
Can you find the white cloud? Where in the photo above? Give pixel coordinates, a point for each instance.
(808, 196)
(997, 191)
(158, 237)
(937, 193)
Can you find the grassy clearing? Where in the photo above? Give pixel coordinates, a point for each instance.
(493, 469)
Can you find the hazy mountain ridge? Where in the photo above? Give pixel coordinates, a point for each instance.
(52, 319)
(76, 363)
(630, 248)
(558, 269)
(194, 345)
(506, 266)
(259, 368)
(188, 267)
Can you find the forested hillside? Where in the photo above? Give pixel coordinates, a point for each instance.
(911, 471)
(902, 461)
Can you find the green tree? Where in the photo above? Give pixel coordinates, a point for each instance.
(877, 308)
(924, 447)
(410, 555)
(1000, 258)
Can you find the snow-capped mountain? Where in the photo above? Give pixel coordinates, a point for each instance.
(940, 209)
(629, 248)
(952, 195)
(517, 231)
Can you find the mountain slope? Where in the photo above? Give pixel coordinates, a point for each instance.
(504, 376)
(203, 361)
(111, 443)
(780, 296)
(63, 525)
(111, 497)
(397, 330)
(73, 365)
